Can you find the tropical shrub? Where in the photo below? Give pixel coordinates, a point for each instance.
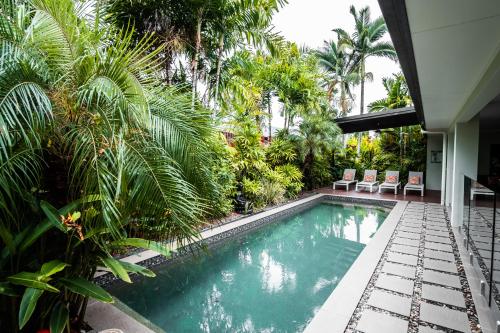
(272, 192)
(95, 149)
(291, 179)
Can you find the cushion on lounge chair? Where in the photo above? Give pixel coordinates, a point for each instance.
(369, 178)
(415, 180)
(391, 179)
(348, 176)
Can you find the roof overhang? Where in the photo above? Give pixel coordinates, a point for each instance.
(378, 120)
(449, 51)
(394, 12)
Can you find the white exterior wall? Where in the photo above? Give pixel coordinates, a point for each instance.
(434, 171)
(449, 167)
(464, 163)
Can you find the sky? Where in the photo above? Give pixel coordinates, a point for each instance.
(310, 23)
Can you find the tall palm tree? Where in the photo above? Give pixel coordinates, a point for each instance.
(83, 114)
(366, 42)
(340, 72)
(240, 23)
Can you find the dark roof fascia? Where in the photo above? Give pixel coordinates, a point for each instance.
(396, 18)
(378, 120)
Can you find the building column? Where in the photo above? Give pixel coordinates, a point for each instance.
(466, 150)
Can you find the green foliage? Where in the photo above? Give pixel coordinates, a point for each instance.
(291, 179)
(281, 151)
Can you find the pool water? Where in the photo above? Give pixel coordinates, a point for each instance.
(271, 280)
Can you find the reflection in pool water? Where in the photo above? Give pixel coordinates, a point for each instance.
(271, 280)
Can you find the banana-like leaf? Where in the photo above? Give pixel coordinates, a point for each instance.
(31, 280)
(28, 304)
(52, 267)
(59, 318)
(145, 244)
(134, 268)
(47, 224)
(86, 288)
(53, 216)
(116, 268)
(6, 289)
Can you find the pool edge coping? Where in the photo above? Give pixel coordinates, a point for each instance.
(337, 310)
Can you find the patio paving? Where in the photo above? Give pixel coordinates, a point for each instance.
(419, 284)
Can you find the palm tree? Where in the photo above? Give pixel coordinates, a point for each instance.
(240, 23)
(340, 72)
(86, 125)
(365, 42)
(398, 95)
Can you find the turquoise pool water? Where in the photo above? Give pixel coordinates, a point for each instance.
(271, 280)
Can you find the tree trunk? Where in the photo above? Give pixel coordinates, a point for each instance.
(270, 116)
(217, 74)
(362, 102)
(194, 64)
(343, 105)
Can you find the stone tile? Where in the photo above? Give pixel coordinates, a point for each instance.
(397, 269)
(431, 226)
(411, 228)
(441, 278)
(437, 233)
(438, 246)
(402, 258)
(406, 241)
(395, 283)
(445, 317)
(375, 322)
(411, 235)
(440, 265)
(404, 249)
(425, 329)
(428, 253)
(438, 239)
(443, 295)
(412, 221)
(390, 302)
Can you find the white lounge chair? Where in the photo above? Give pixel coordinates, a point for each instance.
(369, 180)
(347, 179)
(415, 182)
(391, 181)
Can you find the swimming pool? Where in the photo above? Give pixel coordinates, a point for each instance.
(273, 279)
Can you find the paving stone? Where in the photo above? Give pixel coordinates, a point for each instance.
(376, 322)
(425, 329)
(406, 241)
(411, 235)
(440, 265)
(397, 269)
(412, 228)
(441, 278)
(395, 283)
(412, 221)
(404, 249)
(438, 246)
(442, 316)
(428, 253)
(438, 239)
(390, 302)
(437, 233)
(402, 258)
(430, 226)
(443, 295)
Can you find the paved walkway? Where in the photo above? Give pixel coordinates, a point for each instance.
(419, 284)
